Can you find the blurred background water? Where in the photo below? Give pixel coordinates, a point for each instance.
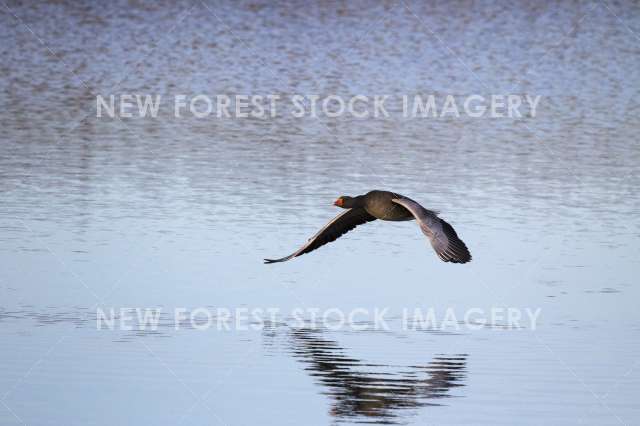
(179, 212)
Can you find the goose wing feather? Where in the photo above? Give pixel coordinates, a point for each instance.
(444, 240)
(337, 227)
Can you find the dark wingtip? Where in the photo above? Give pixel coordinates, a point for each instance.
(456, 251)
(461, 255)
(463, 259)
(457, 258)
(268, 261)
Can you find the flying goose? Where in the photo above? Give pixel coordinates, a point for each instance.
(385, 205)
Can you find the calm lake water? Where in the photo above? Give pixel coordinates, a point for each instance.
(178, 213)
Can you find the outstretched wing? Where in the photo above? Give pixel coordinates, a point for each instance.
(339, 226)
(443, 237)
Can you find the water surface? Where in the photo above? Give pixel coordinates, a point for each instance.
(167, 212)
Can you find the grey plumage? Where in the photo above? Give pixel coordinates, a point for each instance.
(389, 206)
(442, 236)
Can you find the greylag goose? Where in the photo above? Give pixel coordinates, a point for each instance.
(385, 205)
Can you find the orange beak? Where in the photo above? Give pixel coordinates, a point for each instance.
(338, 202)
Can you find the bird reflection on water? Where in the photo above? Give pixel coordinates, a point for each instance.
(369, 393)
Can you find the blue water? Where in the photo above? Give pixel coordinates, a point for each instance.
(169, 213)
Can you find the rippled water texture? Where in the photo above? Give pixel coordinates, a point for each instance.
(179, 212)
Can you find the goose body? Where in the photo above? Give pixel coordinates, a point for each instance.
(386, 205)
(380, 205)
